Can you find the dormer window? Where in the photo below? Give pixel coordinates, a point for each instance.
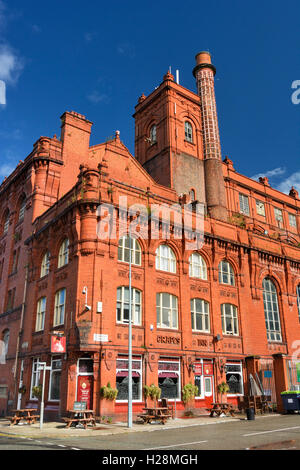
(188, 131)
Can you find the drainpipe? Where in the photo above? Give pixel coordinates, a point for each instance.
(19, 335)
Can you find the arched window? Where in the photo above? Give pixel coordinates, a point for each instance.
(229, 319)
(226, 274)
(153, 137)
(188, 131)
(6, 221)
(271, 309)
(22, 208)
(197, 266)
(167, 310)
(192, 195)
(123, 305)
(127, 245)
(200, 315)
(165, 259)
(63, 256)
(45, 264)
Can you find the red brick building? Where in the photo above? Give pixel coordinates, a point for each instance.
(227, 310)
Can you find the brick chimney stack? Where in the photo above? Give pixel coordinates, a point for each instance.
(204, 73)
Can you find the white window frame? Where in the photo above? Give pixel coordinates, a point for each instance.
(134, 369)
(278, 214)
(40, 314)
(226, 270)
(35, 376)
(54, 359)
(292, 220)
(197, 267)
(45, 266)
(271, 309)
(188, 131)
(63, 255)
(233, 317)
(165, 259)
(171, 310)
(204, 314)
(259, 211)
(241, 374)
(135, 314)
(134, 248)
(59, 308)
(244, 204)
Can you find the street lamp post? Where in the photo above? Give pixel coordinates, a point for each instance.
(130, 341)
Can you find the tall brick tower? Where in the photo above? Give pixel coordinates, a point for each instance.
(204, 73)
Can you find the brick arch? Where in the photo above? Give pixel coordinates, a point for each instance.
(232, 262)
(191, 118)
(203, 254)
(172, 245)
(268, 273)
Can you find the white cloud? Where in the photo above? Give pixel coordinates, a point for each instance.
(127, 49)
(96, 97)
(270, 174)
(292, 180)
(6, 170)
(11, 65)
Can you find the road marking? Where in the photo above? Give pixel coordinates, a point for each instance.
(74, 448)
(273, 430)
(176, 445)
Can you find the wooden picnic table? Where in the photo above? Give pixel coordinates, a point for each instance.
(155, 414)
(84, 417)
(219, 408)
(25, 414)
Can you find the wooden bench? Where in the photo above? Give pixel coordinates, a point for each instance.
(147, 418)
(23, 415)
(76, 419)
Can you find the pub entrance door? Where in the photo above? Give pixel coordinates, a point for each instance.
(85, 381)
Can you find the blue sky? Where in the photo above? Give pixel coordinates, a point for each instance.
(97, 58)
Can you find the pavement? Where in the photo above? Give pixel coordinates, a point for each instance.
(58, 429)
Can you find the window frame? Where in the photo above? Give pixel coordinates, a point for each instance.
(63, 254)
(230, 273)
(22, 208)
(135, 250)
(188, 132)
(236, 372)
(58, 307)
(270, 313)
(193, 265)
(233, 317)
(257, 201)
(134, 304)
(35, 376)
(244, 203)
(40, 314)
(153, 134)
(294, 218)
(170, 259)
(205, 316)
(172, 314)
(134, 370)
(54, 359)
(45, 264)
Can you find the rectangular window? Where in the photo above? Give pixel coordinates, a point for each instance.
(292, 220)
(260, 208)
(167, 311)
(278, 216)
(229, 319)
(55, 375)
(40, 314)
(11, 299)
(15, 261)
(35, 376)
(234, 378)
(59, 312)
(169, 379)
(122, 378)
(244, 204)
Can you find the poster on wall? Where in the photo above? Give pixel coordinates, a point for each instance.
(58, 344)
